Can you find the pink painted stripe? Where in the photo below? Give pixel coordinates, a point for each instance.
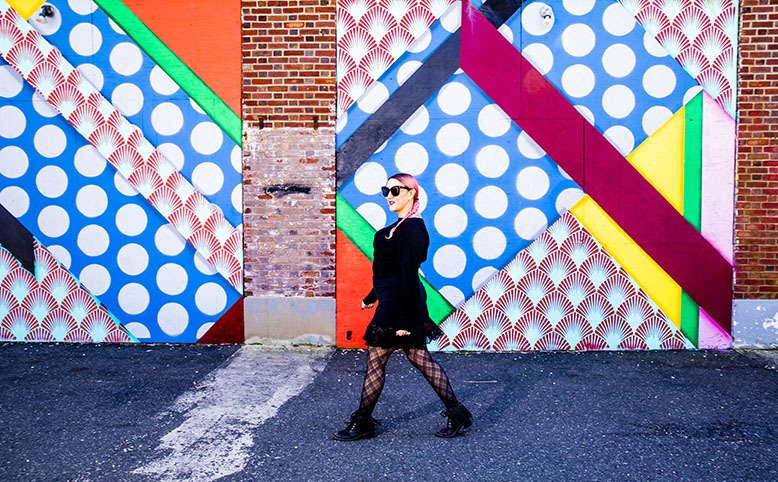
(718, 176)
(652, 222)
(711, 336)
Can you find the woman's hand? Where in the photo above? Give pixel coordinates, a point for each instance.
(364, 306)
(402, 333)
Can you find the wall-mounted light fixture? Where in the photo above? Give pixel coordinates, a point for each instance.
(47, 19)
(45, 13)
(547, 15)
(537, 18)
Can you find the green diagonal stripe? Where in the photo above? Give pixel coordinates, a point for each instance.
(361, 233)
(181, 74)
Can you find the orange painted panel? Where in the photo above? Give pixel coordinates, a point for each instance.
(354, 274)
(205, 35)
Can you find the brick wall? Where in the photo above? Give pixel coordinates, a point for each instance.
(756, 203)
(289, 147)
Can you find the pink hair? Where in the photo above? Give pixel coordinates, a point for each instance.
(410, 182)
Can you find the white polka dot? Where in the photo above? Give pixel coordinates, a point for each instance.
(127, 98)
(406, 70)
(50, 141)
(373, 98)
(411, 158)
(82, 7)
(452, 139)
(95, 278)
(421, 43)
(161, 82)
(452, 180)
(578, 40)
(172, 153)
(491, 202)
(91, 201)
(530, 223)
(493, 121)
(659, 81)
(578, 7)
(653, 47)
(528, 147)
(15, 200)
(482, 276)
(126, 58)
(586, 113)
(236, 159)
(532, 183)
(211, 299)
(115, 27)
(567, 199)
(208, 178)
(492, 161)
(206, 138)
(10, 82)
(53, 221)
(194, 105)
(489, 243)
(138, 330)
(131, 219)
(655, 117)
(203, 266)
(451, 20)
(93, 74)
(51, 181)
(12, 122)
(93, 240)
(168, 241)
(369, 178)
(133, 298)
(506, 32)
(173, 319)
(618, 101)
(374, 214)
(621, 138)
(617, 20)
(578, 80)
(85, 39)
(450, 221)
(453, 295)
(454, 98)
(416, 123)
(167, 119)
(691, 93)
(89, 162)
(449, 261)
(42, 107)
(172, 279)
(204, 329)
(540, 56)
(532, 19)
(61, 254)
(13, 162)
(133, 259)
(236, 197)
(618, 60)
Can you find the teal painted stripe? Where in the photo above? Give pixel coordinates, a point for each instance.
(181, 74)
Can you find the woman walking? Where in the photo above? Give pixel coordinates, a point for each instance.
(401, 319)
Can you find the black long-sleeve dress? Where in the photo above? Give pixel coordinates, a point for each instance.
(402, 301)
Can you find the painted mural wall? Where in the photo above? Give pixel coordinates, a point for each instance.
(576, 161)
(120, 172)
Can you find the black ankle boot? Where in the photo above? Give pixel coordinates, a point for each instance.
(360, 426)
(459, 418)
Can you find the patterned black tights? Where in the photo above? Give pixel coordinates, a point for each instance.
(419, 358)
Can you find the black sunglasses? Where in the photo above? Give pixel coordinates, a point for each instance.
(395, 190)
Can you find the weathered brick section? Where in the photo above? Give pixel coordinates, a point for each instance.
(289, 147)
(756, 252)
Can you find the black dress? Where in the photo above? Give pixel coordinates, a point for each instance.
(402, 301)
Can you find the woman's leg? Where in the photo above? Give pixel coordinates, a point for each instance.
(433, 372)
(374, 379)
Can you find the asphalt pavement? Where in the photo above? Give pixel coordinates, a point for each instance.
(254, 413)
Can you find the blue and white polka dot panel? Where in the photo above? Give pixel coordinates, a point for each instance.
(488, 190)
(149, 98)
(607, 66)
(97, 225)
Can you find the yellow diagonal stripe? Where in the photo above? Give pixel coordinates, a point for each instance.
(25, 8)
(657, 284)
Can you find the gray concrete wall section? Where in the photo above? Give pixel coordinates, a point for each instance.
(755, 324)
(303, 320)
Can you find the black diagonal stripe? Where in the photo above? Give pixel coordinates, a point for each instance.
(419, 87)
(17, 240)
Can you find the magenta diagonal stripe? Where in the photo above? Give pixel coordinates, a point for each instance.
(601, 171)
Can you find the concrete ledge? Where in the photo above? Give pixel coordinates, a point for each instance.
(755, 324)
(297, 319)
